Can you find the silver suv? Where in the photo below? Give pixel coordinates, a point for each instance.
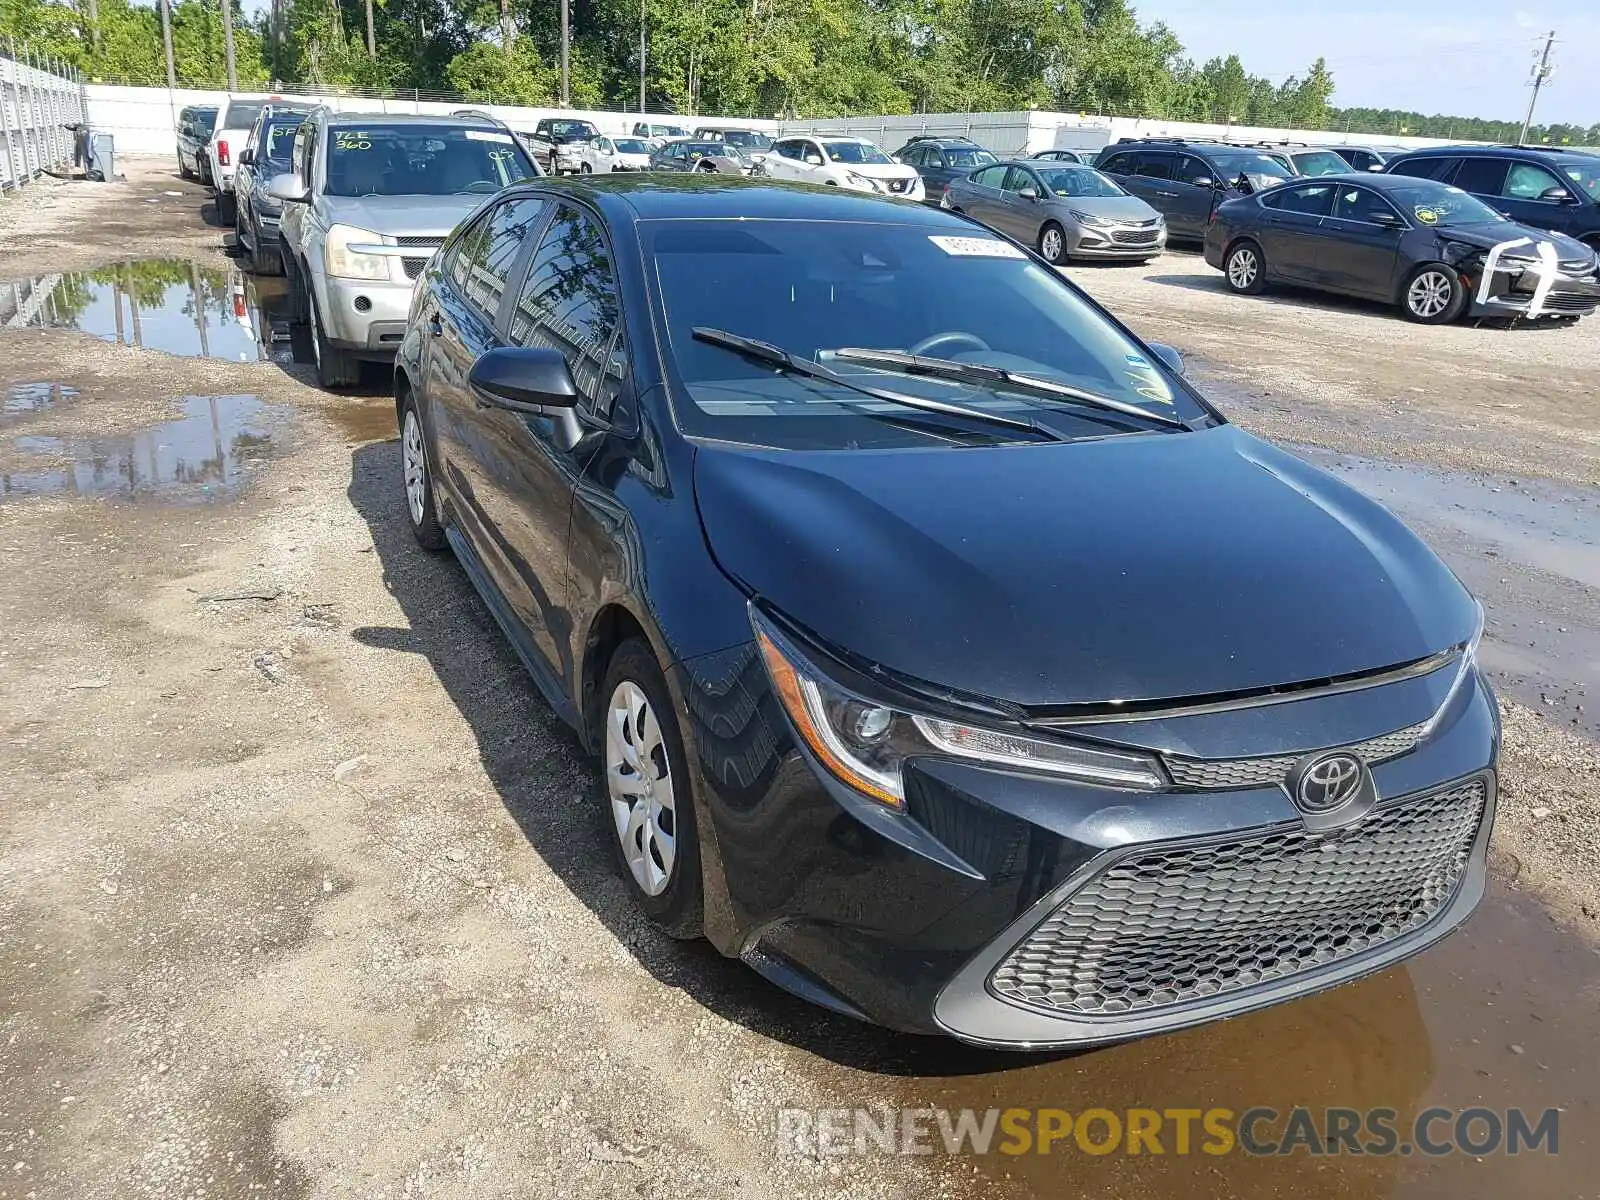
(368, 200)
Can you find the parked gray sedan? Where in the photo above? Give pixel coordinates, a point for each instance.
(1065, 210)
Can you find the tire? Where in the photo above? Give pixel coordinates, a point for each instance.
(661, 865)
(1053, 243)
(585, 169)
(183, 171)
(1433, 295)
(264, 260)
(1245, 269)
(417, 478)
(335, 368)
(227, 208)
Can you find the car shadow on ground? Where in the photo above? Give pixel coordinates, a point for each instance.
(550, 787)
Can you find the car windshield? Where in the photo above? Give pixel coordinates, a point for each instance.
(747, 139)
(1244, 162)
(242, 116)
(854, 152)
(631, 146)
(815, 287)
(422, 160)
(1439, 204)
(1585, 175)
(580, 129)
(710, 150)
(964, 158)
(279, 140)
(1320, 162)
(1078, 181)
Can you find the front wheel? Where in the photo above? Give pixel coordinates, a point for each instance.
(335, 368)
(1053, 243)
(1434, 295)
(264, 259)
(649, 808)
(586, 169)
(227, 208)
(1245, 269)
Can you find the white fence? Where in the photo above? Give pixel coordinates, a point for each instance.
(35, 106)
(143, 120)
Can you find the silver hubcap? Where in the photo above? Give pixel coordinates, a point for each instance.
(416, 465)
(1429, 294)
(639, 780)
(1052, 244)
(1242, 268)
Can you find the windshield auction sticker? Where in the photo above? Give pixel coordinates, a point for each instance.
(485, 135)
(975, 247)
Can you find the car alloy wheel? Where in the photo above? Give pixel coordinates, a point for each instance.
(1051, 243)
(1430, 294)
(415, 461)
(639, 783)
(1243, 268)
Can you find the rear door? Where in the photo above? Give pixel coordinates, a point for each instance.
(1152, 182)
(981, 195)
(1484, 178)
(1291, 229)
(1357, 254)
(476, 459)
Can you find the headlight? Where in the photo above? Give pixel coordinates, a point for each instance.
(865, 744)
(865, 181)
(1090, 219)
(344, 263)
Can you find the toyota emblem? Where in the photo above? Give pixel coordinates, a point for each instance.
(1326, 783)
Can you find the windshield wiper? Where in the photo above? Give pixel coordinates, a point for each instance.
(944, 368)
(776, 356)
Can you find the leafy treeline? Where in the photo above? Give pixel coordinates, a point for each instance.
(771, 58)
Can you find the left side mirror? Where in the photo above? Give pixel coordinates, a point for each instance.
(1169, 357)
(247, 158)
(1028, 193)
(1558, 195)
(531, 381)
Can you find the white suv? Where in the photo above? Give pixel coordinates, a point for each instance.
(236, 116)
(846, 162)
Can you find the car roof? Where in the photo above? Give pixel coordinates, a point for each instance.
(838, 137)
(370, 118)
(1493, 151)
(629, 198)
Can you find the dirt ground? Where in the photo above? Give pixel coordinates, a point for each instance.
(303, 891)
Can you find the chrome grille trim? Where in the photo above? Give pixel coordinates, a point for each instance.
(1201, 774)
(1168, 927)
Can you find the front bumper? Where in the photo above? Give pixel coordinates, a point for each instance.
(1516, 294)
(1118, 241)
(906, 919)
(366, 317)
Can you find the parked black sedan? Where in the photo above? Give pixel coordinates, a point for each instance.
(949, 659)
(1433, 250)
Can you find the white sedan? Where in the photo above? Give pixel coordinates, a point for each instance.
(845, 162)
(603, 154)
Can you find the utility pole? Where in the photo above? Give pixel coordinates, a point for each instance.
(641, 58)
(227, 43)
(566, 53)
(1541, 73)
(166, 41)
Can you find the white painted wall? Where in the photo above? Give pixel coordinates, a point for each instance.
(143, 119)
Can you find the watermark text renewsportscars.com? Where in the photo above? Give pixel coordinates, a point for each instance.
(1433, 1132)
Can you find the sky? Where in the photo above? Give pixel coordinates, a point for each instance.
(1462, 57)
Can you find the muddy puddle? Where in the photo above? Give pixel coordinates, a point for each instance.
(209, 452)
(171, 305)
(1500, 1015)
(1530, 550)
(365, 420)
(28, 399)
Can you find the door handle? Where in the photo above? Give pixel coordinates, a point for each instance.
(1173, 195)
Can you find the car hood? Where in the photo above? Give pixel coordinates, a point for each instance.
(1124, 208)
(1150, 567)
(1486, 237)
(400, 216)
(879, 170)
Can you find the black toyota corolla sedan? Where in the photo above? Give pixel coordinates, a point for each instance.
(1433, 250)
(947, 657)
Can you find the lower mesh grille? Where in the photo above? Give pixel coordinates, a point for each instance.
(1168, 926)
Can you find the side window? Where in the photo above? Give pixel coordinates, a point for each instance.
(1017, 178)
(484, 257)
(1526, 181)
(917, 156)
(1482, 176)
(569, 303)
(1426, 168)
(1191, 168)
(1153, 165)
(309, 165)
(990, 176)
(1359, 204)
(297, 156)
(1119, 164)
(1314, 201)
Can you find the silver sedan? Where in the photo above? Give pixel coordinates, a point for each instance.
(1065, 210)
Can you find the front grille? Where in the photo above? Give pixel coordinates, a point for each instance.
(432, 243)
(1201, 774)
(899, 186)
(1166, 926)
(1137, 237)
(1570, 302)
(413, 267)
